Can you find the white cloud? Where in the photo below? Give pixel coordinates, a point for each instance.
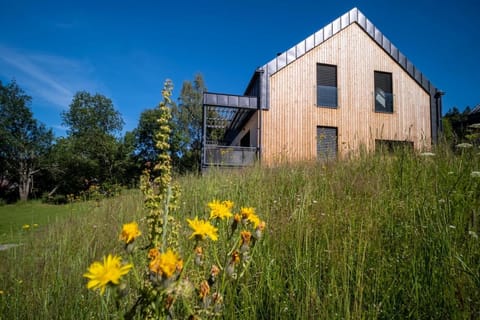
(51, 78)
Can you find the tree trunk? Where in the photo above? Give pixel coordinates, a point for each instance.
(25, 183)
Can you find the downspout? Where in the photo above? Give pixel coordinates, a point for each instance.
(438, 107)
(204, 134)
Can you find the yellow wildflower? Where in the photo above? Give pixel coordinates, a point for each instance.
(235, 257)
(229, 204)
(246, 212)
(220, 210)
(202, 229)
(204, 289)
(26, 227)
(130, 231)
(246, 236)
(166, 264)
(109, 272)
(153, 253)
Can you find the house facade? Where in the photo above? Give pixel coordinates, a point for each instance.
(342, 89)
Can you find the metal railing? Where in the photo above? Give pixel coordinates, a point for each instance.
(229, 156)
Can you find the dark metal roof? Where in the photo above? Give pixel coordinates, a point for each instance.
(331, 29)
(476, 109)
(229, 100)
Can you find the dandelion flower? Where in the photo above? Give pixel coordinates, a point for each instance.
(26, 227)
(130, 231)
(166, 264)
(248, 215)
(220, 210)
(108, 272)
(202, 229)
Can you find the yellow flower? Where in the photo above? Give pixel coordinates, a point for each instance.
(248, 214)
(204, 289)
(26, 227)
(246, 236)
(229, 204)
(166, 264)
(130, 231)
(202, 229)
(110, 271)
(220, 210)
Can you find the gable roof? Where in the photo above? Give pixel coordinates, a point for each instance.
(322, 35)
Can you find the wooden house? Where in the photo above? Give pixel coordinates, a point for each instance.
(344, 88)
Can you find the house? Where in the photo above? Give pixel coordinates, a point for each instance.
(344, 88)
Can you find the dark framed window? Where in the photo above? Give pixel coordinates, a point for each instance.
(327, 86)
(383, 92)
(391, 146)
(327, 143)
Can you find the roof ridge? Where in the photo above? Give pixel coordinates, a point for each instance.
(354, 15)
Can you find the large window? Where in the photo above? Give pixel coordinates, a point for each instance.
(383, 92)
(326, 85)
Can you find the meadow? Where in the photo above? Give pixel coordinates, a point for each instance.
(381, 236)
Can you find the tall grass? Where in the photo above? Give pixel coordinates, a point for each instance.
(378, 237)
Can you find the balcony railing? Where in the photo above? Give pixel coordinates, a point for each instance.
(229, 156)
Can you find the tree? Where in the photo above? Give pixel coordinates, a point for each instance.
(456, 121)
(23, 140)
(146, 150)
(187, 124)
(92, 146)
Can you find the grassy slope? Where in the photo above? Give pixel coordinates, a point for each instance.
(379, 237)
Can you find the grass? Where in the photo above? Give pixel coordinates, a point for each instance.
(378, 237)
(14, 216)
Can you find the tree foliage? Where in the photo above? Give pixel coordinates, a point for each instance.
(23, 141)
(91, 150)
(187, 124)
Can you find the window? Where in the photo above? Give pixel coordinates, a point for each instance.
(391, 146)
(327, 143)
(326, 85)
(383, 92)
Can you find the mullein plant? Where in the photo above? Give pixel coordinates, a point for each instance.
(222, 247)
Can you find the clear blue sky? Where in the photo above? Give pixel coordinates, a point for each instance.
(126, 49)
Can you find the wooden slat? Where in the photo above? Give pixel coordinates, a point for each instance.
(289, 126)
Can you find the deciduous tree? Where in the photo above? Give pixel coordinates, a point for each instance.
(23, 141)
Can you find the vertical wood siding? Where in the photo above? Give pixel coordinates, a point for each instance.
(289, 126)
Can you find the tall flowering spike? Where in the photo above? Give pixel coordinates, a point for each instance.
(161, 195)
(202, 229)
(130, 232)
(108, 272)
(164, 167)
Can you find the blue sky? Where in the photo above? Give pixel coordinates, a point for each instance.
(126, 49)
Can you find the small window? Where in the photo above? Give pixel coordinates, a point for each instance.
(326, 85)
(327, 144)
(391, 146)
(383, 92)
